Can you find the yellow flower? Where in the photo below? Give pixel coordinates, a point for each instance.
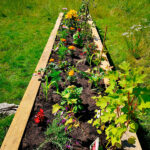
(71, 86)
(51, 60)
(71, 28)
(71, 73)
(71, 14)
(63, 40)
(71, 47)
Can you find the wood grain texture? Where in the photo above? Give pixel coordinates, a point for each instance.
(106, 65)
(14, 135)
(127, 146)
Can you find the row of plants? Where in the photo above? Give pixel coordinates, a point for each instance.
(74, 104)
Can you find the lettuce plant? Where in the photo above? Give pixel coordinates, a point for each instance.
(122, 104)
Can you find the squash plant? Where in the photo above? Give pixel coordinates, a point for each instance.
(122, 104)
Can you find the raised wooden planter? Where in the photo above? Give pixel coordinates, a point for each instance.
(14, 135)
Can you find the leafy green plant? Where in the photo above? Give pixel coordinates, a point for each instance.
(63, 64)
(50, 66)
(77, 38)
(71, 98)
(56, 134)
(63, 34)
(55, 78)
(46, 86)
(70, 105)
(91, 52)
(123, 103)
(84, 16)
(62, 52)
(95, 79)
(69, 119)
(71, 76)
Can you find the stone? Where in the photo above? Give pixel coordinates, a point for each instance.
(8, 109)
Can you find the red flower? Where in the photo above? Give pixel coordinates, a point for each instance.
(79, 29)
(39, 117)
(83, 53)
(78, 36)
(41, 110)
(37, 120)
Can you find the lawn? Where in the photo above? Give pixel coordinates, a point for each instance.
(25, 26)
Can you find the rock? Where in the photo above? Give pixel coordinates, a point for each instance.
(8, 109)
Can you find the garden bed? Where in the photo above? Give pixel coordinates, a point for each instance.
(80, 137)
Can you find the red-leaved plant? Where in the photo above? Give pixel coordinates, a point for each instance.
(39, 117)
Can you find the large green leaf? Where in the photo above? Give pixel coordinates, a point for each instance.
(121, 119)
(102, 103)
(124, 66)
(133, 127)
(56, 107)
(69, 121)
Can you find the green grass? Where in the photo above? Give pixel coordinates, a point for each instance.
(24, 31)
(119, 17)
(25, 26)
(4, 125)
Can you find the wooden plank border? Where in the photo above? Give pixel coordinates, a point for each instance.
(105, 64)
(14, 135)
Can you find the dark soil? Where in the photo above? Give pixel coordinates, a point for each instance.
(34, 133)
